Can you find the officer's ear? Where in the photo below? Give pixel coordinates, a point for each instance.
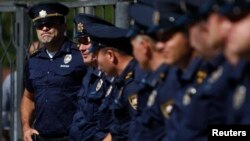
(110, 54)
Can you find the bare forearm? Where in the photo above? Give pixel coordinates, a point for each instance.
(27, 108)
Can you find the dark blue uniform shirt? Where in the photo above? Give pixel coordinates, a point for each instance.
(239, 100)
(180, 91)
(104, 115)
(150, 123)
(209, 104)
(90, 97)
(124, 104)
(55, 83)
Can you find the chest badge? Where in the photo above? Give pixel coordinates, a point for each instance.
(151, 98)
(109, 91)
(67, 58)
(133, 100)
(190, 92)
(215, 75)
(239, 97)
(99, 85)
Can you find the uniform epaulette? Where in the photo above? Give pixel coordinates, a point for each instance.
(35, 52)
(74, 46)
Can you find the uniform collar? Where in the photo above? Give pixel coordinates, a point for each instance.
(239, 70)
(159, 75)
(216, 62)
(65, 49)
(127, 72)
(191, 70)
(97, 72)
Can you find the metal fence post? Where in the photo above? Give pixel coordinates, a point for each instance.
(121, 14)
(22, 42)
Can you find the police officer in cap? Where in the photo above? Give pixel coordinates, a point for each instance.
(53, 77)
(151, 60)
(238, 43)
(93, 87)
(114, 57)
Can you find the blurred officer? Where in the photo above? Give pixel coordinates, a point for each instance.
(172, 42)
(53, 77)
(114, 57)
(171, 33)
(239, 45)
(149, 58)
(207, 34)
(94, 84)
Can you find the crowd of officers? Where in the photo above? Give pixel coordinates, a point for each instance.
(182, 65)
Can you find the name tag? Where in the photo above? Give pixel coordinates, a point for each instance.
(64, 66)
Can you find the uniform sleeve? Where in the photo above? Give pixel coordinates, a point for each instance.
(27, 81)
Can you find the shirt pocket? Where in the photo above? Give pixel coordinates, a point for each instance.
(37, 78)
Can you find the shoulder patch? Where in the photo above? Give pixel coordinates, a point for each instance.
(167, 108)
(34, 53)
(133, 100)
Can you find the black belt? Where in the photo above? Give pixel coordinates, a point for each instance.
(41, 138)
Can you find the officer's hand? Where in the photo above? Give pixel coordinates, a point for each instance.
(108, 137)
(27, 133)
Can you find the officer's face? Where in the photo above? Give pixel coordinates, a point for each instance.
(217, 30)
(84, 45)
(105, 60)
(51, 32)
(141, 48)
(238, 41)
(175, 50)
(208, 37)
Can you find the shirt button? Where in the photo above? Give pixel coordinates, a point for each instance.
(51, 59)
(46, 100)
(48, 72)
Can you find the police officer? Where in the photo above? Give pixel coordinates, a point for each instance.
(207, 34)
(151, 60)
(53, 77)
(238, 111)
(172, 34)
(114, 57)
(94, 85)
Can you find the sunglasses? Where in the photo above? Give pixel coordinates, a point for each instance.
(85, 40)
(48, 25)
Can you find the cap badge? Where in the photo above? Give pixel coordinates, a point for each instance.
(42, 14)
(156, 18)
(80, 27)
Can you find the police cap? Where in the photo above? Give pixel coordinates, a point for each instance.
(83, 21)
(109, 36)
(141, 16)
(49, 12)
